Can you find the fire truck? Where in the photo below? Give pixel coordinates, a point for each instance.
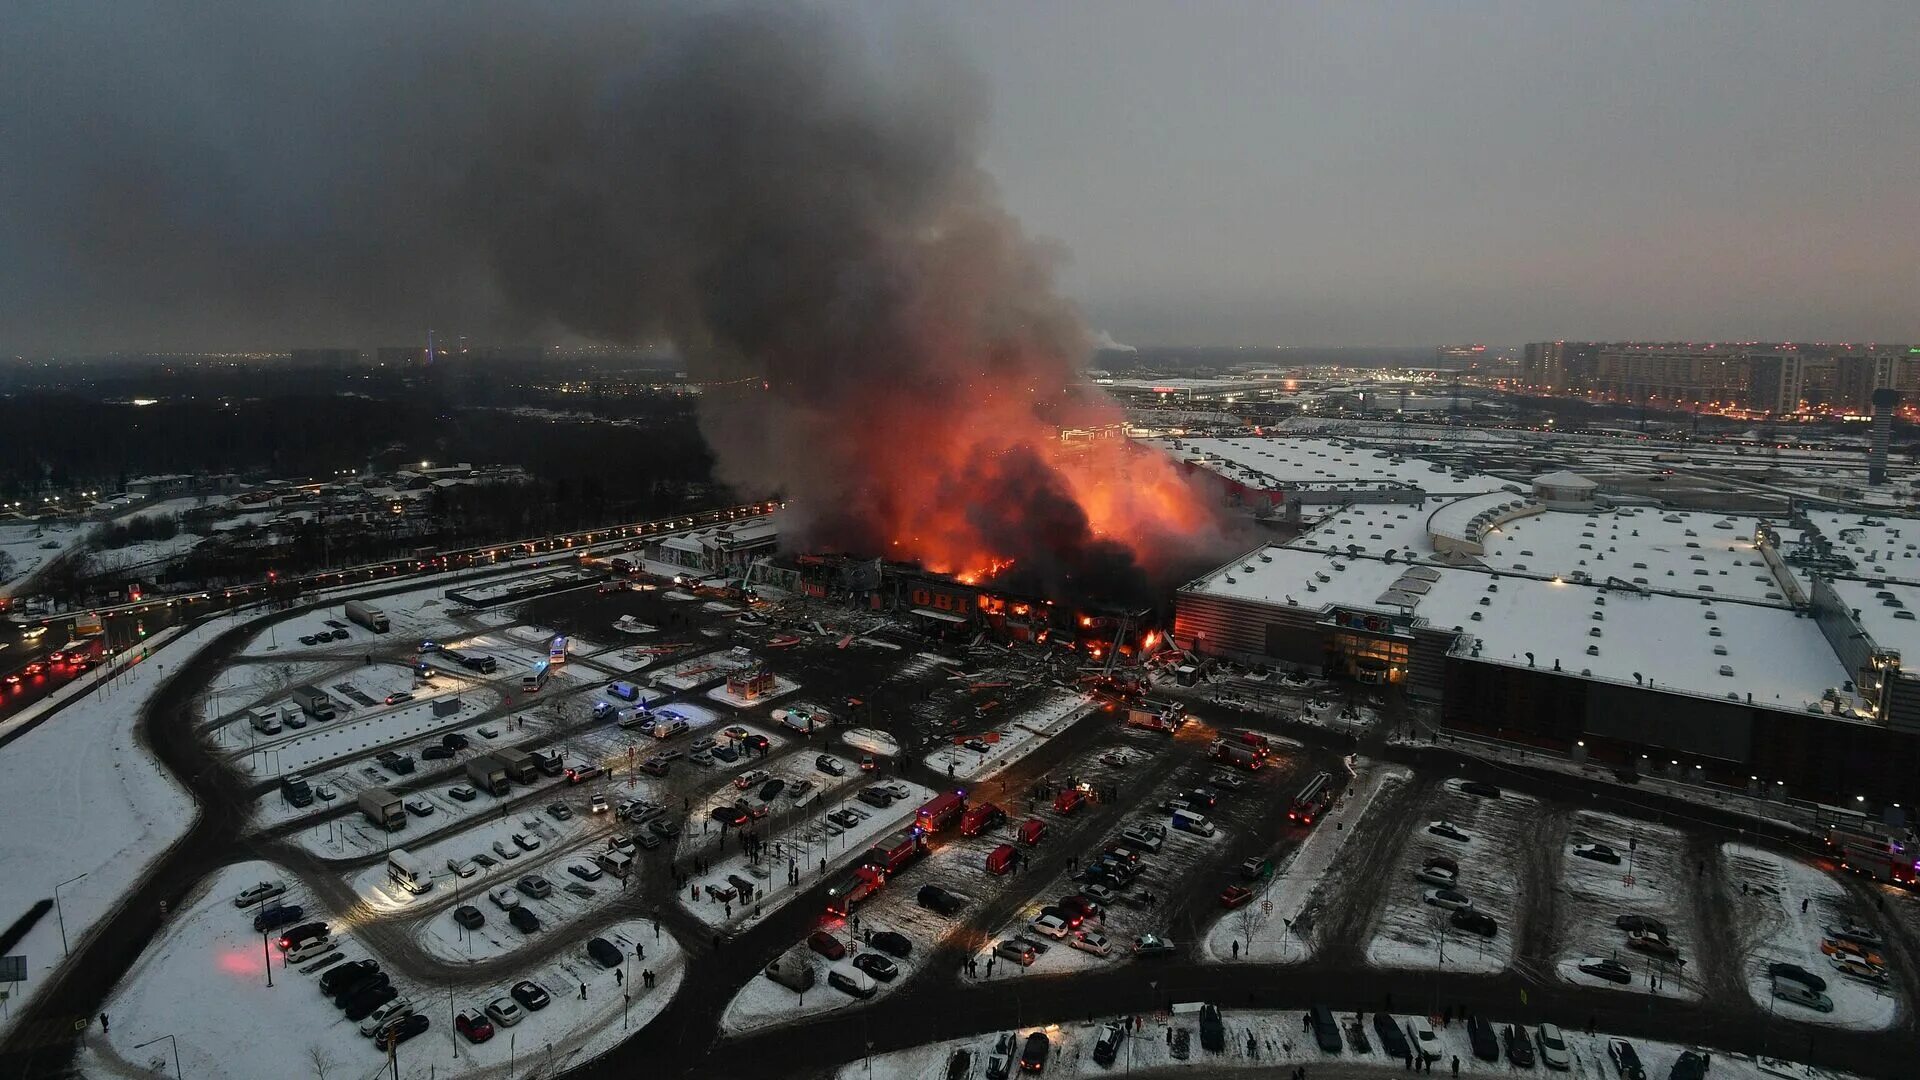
(896, 851)
(941, 811)
(1154, 716)
(858, 884)
(1878, 853)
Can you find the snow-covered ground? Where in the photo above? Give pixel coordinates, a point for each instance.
(143, 554)
(1595, 894)
(872, 741)
(1024, 733)
(1265, 938)
(1273, 1040)
(204, 982)
(1773, 928)
(31, 547)
(101, 809)
(240, 686)
(1412, 933)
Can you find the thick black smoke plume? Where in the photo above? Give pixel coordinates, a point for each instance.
(791, 200)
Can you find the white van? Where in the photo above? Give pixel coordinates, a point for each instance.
(266, 722)
(1188, 821)
(666, 729)
(616, 863)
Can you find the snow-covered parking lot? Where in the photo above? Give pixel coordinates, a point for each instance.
(1595, 895)
(1785, 908)
(1412, 931)
(203, 981)
(1021, 735)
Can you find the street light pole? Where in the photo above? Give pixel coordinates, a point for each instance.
(59, 913)
(176, 1053)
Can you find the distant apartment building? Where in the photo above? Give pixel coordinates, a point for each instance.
(1676, 374)
(1558, 365)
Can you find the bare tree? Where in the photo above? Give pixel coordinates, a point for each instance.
(321, 1061)
(1250, 919)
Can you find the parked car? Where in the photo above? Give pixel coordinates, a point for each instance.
(505, 850)
(353, 988)
(1051, 925)
(1091, 941)
(535, 886)
(525, 842)
(1782, 970)
(1800, 994)
(934, 898)
(1553, 1047)
(1642, 924)
(469, 916)
(343, 976)
(1474, 922)
(849, 985)
(1106, 1048)
(1213, 1031)
(1652, 945)
(1033, 1057)
(1020, 952)
(523, 920)
(585, 871)
(530, 995)
(1690, 1065)
(1519, 1047)
(504, 898)
(505, 1012)
(400, 1031)
(363, 1003)
(877, 966)
(1234, 896)
(474, 1025)
(1601, 967)
(419, 807)
(1483, 1040)
(304, 932)
(1480, 788)
(462, 793)
(1426, 1044)
(436, 753)
(1451, 899)
(384, 1015)
(891, 943)
(826, 945)
(1437, 875)
(1000, 1062)
(1448, 830)
(310, 949)
(604, 952)
(277, 916)
(1626, 1061)
(1598, 853)
(255, 894)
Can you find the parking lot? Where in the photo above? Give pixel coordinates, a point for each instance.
(1788, 914)
(1454, 895)
(1615, 869)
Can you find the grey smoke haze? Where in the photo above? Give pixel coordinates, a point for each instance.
(209, 175)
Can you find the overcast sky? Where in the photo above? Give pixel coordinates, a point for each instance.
(1339, 173)
(1354, 173)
